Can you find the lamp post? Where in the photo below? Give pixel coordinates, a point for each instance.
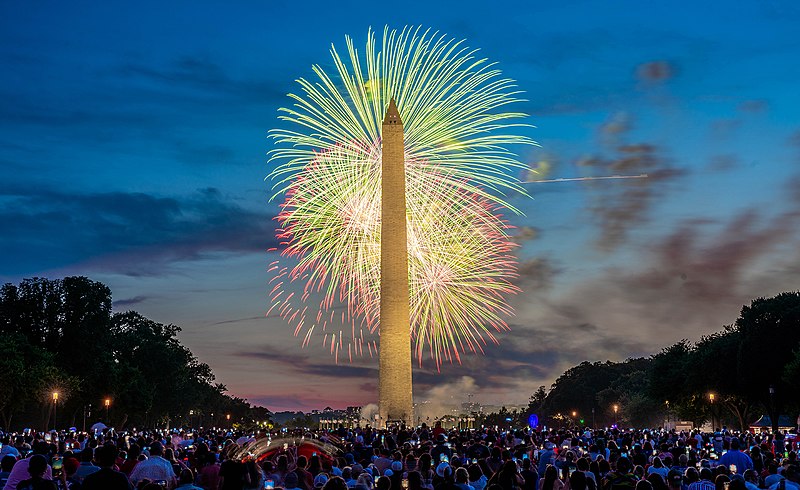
(107, 403)
(228, 418)
(711, 397)
(772, 409)
(55, 408)
(666, 402)
(593, 424)
(574, 415)
(616, 409)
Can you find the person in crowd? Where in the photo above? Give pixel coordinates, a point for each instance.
(579, 481)
(6, 464)
(106, 478)
(20, 470)
(290, 481)
(658, 468)
(547, 456)
(621, 479)
(304, 477)
(208, 477)
(643, 485)
(414, 481)
(508, 476)
(657, 482)
(253, 476)
(751, 479)
(155, 468)
(177, 465)
(583, 465)
(37, 466)
(791, 479)
(704, 481)
(551, 481)
(721, 481)
(87, 466)
(462, 479)
(68, 479)
(529, 475)
(773, 476)
(186, 481)
(131, 458)
(674, 480)
(737, 458)
(335, 483)
(231, 472)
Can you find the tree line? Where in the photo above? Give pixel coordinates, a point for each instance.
(732, 377)
(64, 353)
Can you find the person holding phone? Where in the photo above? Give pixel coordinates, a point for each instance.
(68, 479)
(551, 481)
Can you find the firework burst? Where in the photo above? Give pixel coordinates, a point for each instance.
(458, 170)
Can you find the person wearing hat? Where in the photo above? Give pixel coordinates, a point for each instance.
(320, 480)
(155, 468)
(69, 479)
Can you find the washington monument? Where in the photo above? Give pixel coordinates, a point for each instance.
(394, 384)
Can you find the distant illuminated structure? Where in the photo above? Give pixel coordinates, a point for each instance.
(395, 402)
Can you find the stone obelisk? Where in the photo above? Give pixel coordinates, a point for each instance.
(394, 384)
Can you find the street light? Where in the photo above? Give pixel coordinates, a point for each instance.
(711, 397)
(55, 406)
(666, 402)
(107, 403)
(616, 409)
(772, 408)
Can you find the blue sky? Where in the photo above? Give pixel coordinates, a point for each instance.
(133, 151)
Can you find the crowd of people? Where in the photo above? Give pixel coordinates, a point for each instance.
(400, 458)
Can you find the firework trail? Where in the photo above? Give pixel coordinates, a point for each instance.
(458, 168)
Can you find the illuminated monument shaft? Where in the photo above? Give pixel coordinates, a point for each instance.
(394, 384)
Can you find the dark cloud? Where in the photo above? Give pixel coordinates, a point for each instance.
(754, 106)
(696, 274)
(723, 163)
(306, 363)
(536, 275)
(619, 205)
(525, 234)
(237, 320)
(196, 75)
(119, 303)
(723, 129)
(656, 71)
(130, 233)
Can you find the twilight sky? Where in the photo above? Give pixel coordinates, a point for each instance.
(133, 151)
